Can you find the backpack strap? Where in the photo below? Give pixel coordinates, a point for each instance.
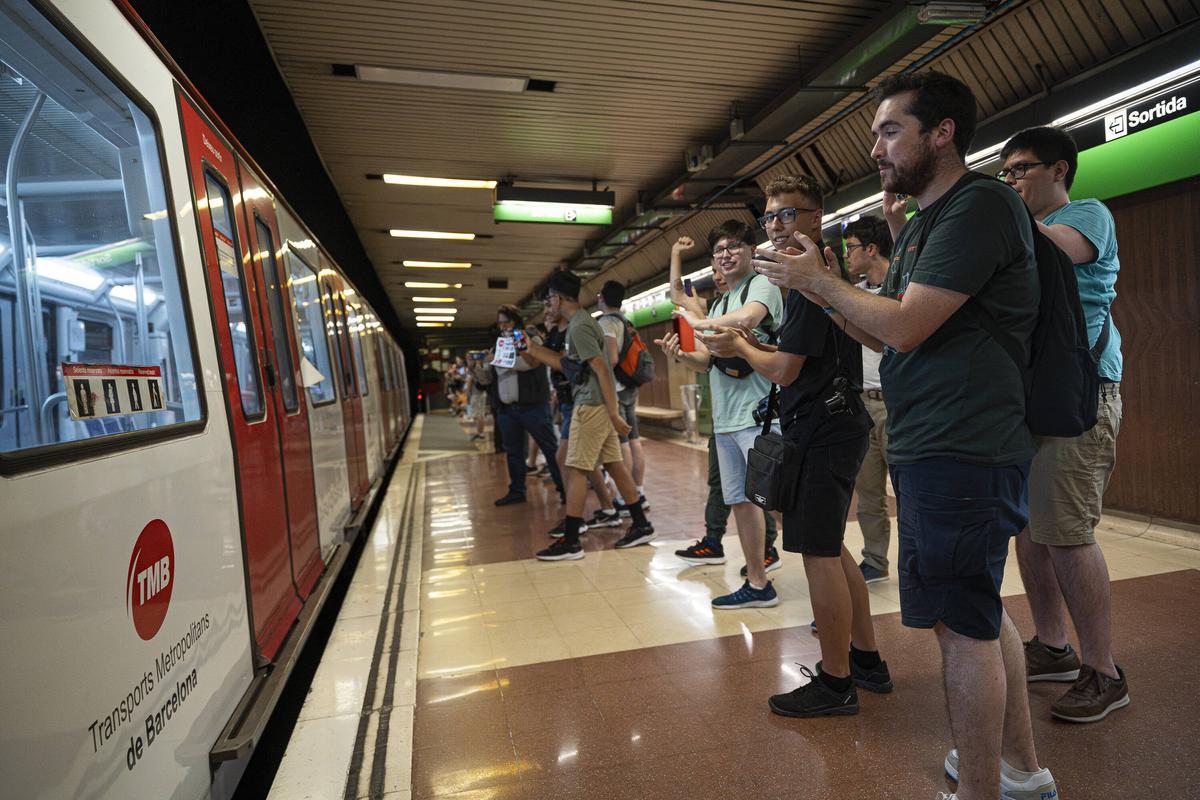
(1102, 339)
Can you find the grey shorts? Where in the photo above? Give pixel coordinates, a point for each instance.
(1069, 476)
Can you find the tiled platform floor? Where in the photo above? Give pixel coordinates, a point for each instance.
(612, 677)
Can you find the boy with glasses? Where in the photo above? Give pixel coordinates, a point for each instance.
(736, 391)
(819, 371)
(1061, 564)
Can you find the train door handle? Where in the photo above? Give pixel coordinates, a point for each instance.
(268, 367)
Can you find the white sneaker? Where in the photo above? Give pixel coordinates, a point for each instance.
(1014, 784)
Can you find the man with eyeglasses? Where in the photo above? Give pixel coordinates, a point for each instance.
(710, 548)
(736, 391)
(817, 364)
(1061, 564)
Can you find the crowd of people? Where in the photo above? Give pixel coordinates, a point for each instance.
(907, 353)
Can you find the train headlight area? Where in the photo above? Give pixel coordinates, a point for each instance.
(240, 251)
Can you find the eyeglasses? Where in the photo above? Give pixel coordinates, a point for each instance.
(786, 216)
(1018, 170)
(850, 247)
(731, 249)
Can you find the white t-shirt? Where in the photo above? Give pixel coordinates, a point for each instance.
(870, 359)
(614, 327)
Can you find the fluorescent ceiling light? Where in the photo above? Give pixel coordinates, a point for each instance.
(536, 204)
(63, 271)
(404, 234)
(445, 183)
(428, 285)
(442, 80)
(433, 299)
(438, 264)
(433, 325)
(435, 319)
(435, 310)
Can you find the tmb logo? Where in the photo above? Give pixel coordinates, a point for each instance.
(150, 579)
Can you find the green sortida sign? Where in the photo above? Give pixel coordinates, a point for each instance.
(563, 213)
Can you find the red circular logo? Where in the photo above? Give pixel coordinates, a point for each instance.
(151, 576)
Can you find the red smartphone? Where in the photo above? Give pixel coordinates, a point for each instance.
(687, 337)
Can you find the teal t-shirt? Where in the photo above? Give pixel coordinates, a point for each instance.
(1097, 279)
(958, 394)
(734, 399)
(585, 340)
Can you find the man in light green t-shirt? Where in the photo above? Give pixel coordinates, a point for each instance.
(754, 303)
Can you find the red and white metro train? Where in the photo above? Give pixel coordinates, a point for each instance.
(194, 407)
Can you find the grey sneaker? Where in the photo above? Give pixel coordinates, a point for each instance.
(1014, 784)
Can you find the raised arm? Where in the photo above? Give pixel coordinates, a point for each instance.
(678, 296)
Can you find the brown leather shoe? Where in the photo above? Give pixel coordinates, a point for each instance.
(1042, 664)
(1093, 697)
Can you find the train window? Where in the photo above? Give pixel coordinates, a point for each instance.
(337, 333)
(283, 348)
(314, 346)
(88, 269)
(356, 324)
(241, 326)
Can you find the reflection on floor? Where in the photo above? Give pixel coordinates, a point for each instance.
(613, 677)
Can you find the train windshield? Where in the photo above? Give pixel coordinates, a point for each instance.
(93, 332)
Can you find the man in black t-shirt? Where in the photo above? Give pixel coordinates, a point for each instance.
(819, 369)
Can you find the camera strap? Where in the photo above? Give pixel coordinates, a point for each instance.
(772, 399)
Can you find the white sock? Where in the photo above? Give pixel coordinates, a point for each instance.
(641, 492)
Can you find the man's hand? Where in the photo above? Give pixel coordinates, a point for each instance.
(721, 341)
(670, 345)
(895, 211)
(801, 271)
(619, 423)
(688, 317)
(682, 245)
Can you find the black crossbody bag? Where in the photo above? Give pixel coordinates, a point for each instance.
(773, 464)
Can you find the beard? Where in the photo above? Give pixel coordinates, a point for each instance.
(914, 178)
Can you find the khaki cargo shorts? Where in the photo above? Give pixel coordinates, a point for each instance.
(1069, 476)
(593, 439)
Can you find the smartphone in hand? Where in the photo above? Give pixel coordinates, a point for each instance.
(687, 336)
(687, 287)
(520, 340)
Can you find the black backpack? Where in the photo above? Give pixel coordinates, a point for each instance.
(1062, 379)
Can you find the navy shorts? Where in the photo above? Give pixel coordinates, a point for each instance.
(955, 523)
(565, 409)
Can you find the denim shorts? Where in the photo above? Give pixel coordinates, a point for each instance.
(955, 523)
(731, 459)
(565, 409)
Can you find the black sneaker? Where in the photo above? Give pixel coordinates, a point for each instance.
(560, 530)
(703, 552)
(623, 508)
(877, 679)
(604, 519)
(637, 534)
(510, 498)
(560, 550)
(771, 562)
(815, 699)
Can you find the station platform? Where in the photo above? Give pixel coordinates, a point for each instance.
(461, 667)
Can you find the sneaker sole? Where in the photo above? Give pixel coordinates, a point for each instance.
(834, 711)
(557, 535)
(873, 686)
(608, 523)
(877, 580)
(1057, 677)
(563, 557)
(649, 537)
(774, 601)
(700, 562)
(1124, 701)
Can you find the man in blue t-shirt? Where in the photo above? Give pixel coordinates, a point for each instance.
(1058, 554)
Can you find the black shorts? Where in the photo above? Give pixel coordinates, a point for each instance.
(816, 526)
(955, 521)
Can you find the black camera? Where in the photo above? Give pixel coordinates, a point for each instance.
(838, 403)
(761, 410)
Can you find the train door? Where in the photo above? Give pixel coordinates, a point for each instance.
(283, 382)
(356, 446)
(235, 307)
